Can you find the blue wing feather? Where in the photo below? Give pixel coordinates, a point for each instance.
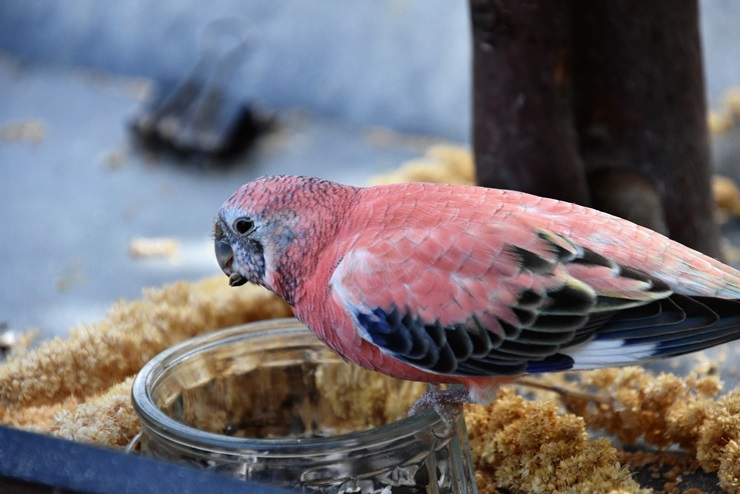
(669, 328)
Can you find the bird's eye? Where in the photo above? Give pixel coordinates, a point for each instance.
(242, 226)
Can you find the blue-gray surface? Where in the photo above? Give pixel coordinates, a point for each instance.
(69, 216)
(73, 201)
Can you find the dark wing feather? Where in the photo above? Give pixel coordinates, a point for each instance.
(555, 327)
(683, 325)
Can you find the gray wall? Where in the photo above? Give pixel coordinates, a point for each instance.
(403, 63)
(400, 63)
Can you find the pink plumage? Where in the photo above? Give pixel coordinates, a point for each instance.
(473, 286)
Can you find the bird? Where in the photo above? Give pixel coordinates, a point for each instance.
(471, 287)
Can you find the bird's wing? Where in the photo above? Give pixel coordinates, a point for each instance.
(507, 299)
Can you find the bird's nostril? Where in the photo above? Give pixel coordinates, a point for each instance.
(224, 255)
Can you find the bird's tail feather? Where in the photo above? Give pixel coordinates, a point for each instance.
(675, 326)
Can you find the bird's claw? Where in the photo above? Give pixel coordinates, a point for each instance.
(447, 403)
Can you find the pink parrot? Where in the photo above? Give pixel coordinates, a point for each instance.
(469, 285)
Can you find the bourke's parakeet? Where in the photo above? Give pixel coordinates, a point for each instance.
(470, 285)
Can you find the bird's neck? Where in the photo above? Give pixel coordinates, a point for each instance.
(308, 261)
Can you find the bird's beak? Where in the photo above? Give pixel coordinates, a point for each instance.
(224, 256)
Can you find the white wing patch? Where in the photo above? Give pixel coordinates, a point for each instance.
(596, 354)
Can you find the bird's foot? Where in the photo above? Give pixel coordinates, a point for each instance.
(448, 404)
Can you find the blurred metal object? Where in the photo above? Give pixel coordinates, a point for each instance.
(8, 339)
(201, 117)
(14, 341)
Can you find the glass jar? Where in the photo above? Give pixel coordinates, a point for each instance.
(268, 402)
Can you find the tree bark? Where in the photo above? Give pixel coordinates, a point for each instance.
(599, 103)
(523, 125)
(641, 108)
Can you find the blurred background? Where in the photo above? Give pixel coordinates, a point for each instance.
(110, 184)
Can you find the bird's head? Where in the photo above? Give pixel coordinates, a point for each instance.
(267, 231)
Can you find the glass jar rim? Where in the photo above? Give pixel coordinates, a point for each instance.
(158, 422)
